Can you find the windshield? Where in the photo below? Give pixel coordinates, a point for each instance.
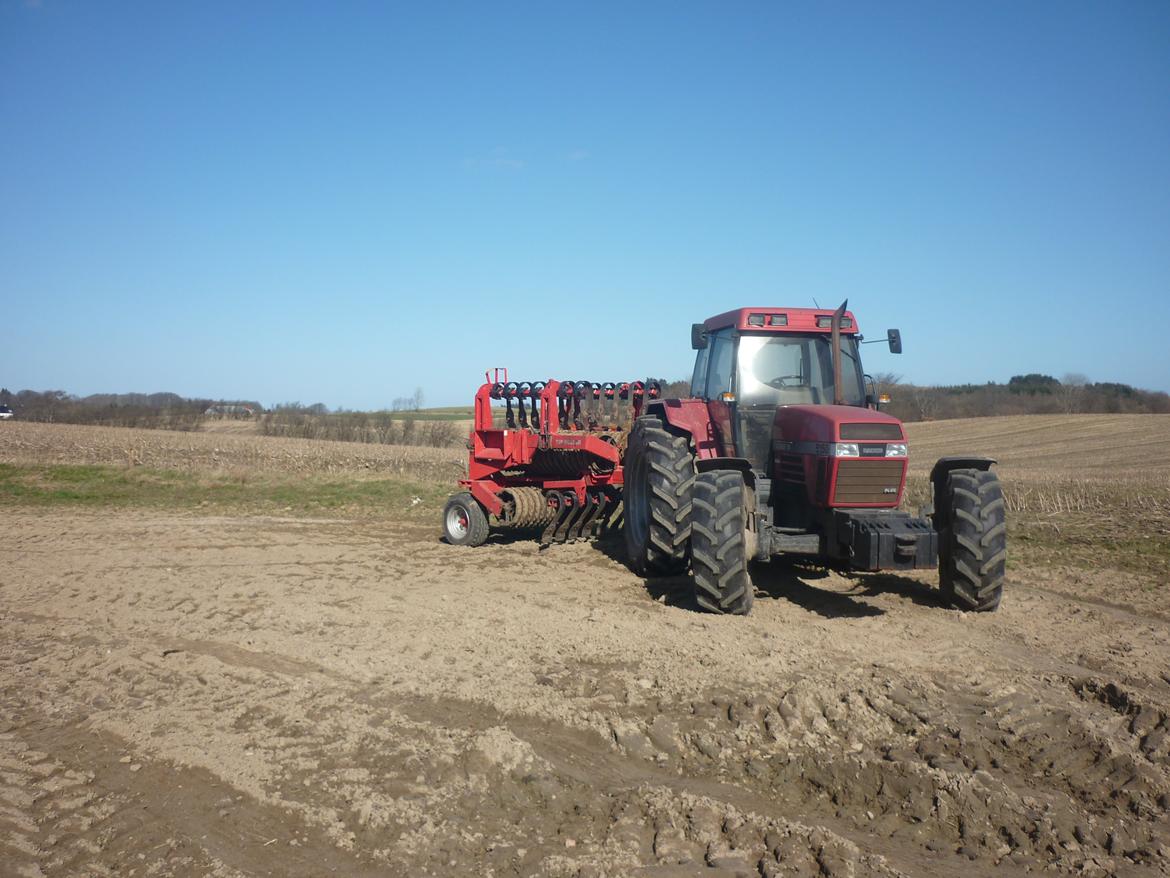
(794, 369)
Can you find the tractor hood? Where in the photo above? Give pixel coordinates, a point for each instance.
(834, 423)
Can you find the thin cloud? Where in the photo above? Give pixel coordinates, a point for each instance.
(498, 159)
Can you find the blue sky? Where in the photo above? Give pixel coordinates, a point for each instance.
(341, 202)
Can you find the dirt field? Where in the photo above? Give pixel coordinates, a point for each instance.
(207, 690)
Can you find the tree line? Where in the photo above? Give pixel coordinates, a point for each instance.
(1031, 394)
(167, 411)
(1034, 393)
(170, 411)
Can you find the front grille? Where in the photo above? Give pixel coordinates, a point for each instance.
(889, 432)
(867, 481)
(791, 468)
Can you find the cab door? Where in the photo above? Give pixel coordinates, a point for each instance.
(721, 380)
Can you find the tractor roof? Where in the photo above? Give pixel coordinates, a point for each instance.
(780, 320)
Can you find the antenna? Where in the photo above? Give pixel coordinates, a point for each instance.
(816, 303)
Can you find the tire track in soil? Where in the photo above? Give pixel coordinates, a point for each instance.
(956, 783)
(696, 820)
(77, 805)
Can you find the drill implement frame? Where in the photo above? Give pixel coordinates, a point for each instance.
(555, 462)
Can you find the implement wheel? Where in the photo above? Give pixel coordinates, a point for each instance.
(659, 475)
(464, 523)
(972, 547)
(722, 542)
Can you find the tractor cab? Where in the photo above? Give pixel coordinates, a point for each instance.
(753, 361)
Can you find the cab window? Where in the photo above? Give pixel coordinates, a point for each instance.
(722, 364)
(699, 379)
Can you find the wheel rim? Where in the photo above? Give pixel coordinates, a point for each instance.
(458, 522)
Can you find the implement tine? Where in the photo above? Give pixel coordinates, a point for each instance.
(599, 503)
(617, 518)
(554, 502)
(581, 529)
(611, 514)
(573, 531)
(570, 511)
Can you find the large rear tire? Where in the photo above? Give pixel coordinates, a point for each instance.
(659, 478)
(972, 540)
(722, 543)
(464, 522)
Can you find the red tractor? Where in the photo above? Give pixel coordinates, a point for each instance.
(779, 450)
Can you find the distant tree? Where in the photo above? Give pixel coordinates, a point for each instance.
(408, 403)
(1032, 383)
(1072, 391)
(925, 402)
(1159, 402)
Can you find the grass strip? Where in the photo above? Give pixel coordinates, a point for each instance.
(104, 486)
(1108, 533)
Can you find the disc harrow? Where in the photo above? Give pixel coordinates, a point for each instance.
(525, 508)
(547, 455)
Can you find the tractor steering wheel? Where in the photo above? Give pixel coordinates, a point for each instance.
(778, 381)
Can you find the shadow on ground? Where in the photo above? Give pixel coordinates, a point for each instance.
(788, 580)
(503, 537)
(778, 579)
(911, 589)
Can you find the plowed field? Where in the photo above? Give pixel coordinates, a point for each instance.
(247, 689)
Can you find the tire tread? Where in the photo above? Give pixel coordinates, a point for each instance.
(670, 476)
(719, 561)
(973, 546)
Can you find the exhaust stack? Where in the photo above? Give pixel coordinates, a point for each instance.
(838, 399)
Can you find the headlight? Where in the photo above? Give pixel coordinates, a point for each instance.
(846, 449)
(896, 449)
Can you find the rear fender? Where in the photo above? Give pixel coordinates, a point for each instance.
(738, 464)
(690, 418)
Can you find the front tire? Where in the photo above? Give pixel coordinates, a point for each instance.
(722, 543)
(464, 522)
(659, 478)
(972, 540)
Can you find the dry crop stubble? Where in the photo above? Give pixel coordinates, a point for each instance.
(1086, 495)
(69, 444)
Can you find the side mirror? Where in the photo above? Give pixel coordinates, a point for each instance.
(698, 336)
(894, 336)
